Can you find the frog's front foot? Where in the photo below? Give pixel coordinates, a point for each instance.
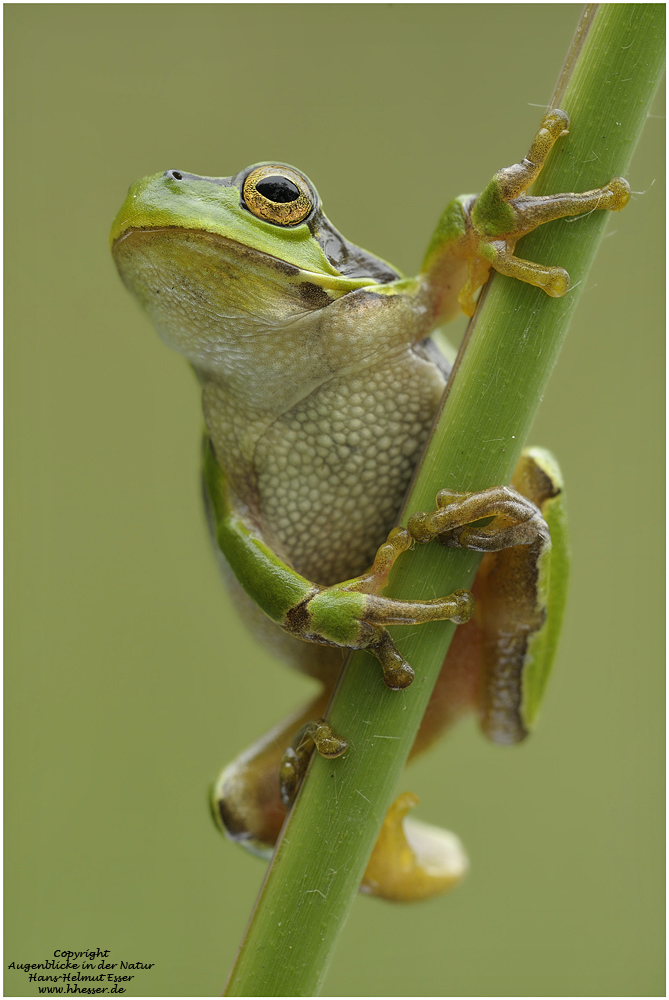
(502, 213)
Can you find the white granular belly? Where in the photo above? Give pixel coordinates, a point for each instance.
(332, 472)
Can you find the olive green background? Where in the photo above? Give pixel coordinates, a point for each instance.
(128, 680)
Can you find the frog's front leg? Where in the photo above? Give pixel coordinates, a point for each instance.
(355, 616)
(481, 231)
(351, 614)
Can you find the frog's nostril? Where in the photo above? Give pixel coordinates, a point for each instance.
(174, 175)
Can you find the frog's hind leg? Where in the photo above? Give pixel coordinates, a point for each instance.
(523, 592)
(499, 662)
(410, 860)
(246, 797)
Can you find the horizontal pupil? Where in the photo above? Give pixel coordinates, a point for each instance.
(278, 189)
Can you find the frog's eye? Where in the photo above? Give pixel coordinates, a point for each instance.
(278, 194)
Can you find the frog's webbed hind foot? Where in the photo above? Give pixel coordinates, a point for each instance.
(503, 213)
(412, 860)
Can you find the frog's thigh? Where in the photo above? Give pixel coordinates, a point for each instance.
(498, 663)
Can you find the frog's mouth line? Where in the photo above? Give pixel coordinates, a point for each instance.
(339, 284)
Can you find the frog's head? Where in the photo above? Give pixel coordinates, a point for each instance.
(237, 253)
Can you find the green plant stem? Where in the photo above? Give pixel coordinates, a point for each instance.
(611, 75)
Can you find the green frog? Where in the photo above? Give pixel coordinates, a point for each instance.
(321, 369)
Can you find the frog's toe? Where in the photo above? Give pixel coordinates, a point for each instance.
(291, 771)
(466, 604)
(413, 860)
(557, 282)
(314, 735)
(621, 193)
(553, 280)
(397, 673)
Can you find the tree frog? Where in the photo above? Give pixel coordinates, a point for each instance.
(321, 369)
